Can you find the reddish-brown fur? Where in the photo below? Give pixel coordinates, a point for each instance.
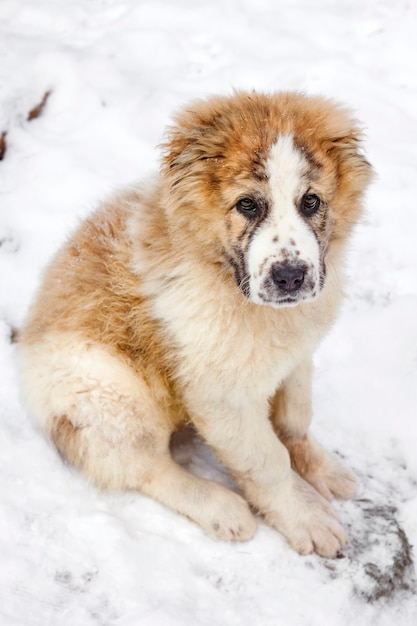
(99, 302)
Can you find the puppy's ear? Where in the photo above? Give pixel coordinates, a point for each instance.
(354, 172)
(342, 137)
(200, 132)
(176, 151)
(185, 141)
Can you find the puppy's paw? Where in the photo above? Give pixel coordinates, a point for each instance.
(333, 480)
(322, 470)
(229, 517)
(307, 521)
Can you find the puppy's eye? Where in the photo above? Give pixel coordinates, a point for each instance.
(248, 206)
(310, 204)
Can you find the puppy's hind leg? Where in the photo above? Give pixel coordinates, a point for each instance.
(105, 420)
(143, 462)
(219, 511)
(291, 416)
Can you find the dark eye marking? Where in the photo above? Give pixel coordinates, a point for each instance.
(249, 207)
(310, 204)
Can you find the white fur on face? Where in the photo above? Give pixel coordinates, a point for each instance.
(284, 239)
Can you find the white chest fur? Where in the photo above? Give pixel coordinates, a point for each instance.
(228, 346)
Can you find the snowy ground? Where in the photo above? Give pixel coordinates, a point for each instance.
(115, 70)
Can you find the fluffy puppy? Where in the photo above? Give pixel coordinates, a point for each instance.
(201, 299)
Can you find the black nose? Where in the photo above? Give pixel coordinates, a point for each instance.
(287, 278)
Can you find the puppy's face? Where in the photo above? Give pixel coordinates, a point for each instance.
(264, 186)
(280, 229)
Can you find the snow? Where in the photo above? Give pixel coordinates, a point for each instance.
(115, 70)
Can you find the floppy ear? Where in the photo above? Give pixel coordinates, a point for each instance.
(354, 169)
(185, 153)
(354, 174)
(185, 141)
(200, 132)
(176, 150)
(182, 152)
(340, 136)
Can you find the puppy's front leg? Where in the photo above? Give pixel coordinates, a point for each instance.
(291, 410)
(245, 441)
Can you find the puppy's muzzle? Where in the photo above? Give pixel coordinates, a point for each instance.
(288, 278)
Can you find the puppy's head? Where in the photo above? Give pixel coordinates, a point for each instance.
(265, 186)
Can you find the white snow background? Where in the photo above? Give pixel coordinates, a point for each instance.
(115, 70)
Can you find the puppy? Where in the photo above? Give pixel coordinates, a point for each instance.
(201, 299)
